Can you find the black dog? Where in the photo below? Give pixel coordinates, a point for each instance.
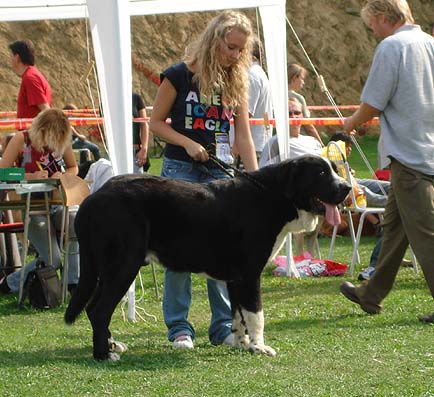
(133, 216)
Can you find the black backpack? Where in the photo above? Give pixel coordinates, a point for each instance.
(43, 287)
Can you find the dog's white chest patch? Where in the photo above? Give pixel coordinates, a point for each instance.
(306, 222)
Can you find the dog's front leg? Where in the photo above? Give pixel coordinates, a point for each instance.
(241, 339)
(255, 328)
(247, 315)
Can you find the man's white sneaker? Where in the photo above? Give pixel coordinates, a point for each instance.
(229, 340)
(183, 342)
(367, 273)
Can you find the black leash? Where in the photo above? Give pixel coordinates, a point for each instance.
(225, 168)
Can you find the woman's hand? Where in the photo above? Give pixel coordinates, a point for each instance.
(141, 156)
(56, 175)
(37, 175)
(196, 151)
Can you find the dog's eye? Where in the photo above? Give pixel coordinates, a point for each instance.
(322, 173)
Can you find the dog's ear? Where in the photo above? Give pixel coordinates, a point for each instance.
(287, 179)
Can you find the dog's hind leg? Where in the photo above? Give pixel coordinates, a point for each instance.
(111, 289)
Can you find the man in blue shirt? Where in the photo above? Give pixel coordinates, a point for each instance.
(400, 90)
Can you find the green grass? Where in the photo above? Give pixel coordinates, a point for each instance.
(326, 345)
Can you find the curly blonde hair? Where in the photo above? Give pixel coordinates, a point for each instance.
(393, 10)
(50, 129)
(210, 76)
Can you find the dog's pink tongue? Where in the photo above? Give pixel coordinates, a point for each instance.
(333, 217)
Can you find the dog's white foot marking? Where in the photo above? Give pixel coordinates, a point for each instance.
(262, 349)
(113, 357)
(116, 346)
(255, 327)
(241, 339)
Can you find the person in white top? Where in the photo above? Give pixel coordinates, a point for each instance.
(259, 97)
(298, 144)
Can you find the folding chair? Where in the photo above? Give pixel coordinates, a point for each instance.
(336, 154)
(73, 191)
(82, 155)
(10, 256)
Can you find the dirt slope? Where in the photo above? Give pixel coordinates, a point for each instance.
(332, 33)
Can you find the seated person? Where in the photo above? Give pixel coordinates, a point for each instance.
(95, 173)
(375, 190)
(298, 145)
(44, 151)
(79, 141)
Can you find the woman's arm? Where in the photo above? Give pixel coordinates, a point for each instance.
(144, 139)
(12, 151)
(243, 138)
(70, 163)
(164, 101)
(10, 155)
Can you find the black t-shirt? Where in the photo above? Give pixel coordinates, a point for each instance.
(202, 123)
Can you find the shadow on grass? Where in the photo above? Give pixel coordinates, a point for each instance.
(9, 307)
(150, 360)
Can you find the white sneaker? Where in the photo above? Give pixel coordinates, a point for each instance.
(229, 340)
(183, 342)
(367, 273)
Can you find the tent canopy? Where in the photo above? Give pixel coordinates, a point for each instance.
(110, 26)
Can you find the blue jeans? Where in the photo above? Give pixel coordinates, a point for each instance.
(77, 143)
(177, 286)
(376, 252)
(38, 237)
(374, 195)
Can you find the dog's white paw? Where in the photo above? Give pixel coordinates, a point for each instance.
(117, 347)
(113, 357)
(242, 342)
(262, 349)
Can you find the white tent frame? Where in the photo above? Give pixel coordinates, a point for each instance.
(110, 26)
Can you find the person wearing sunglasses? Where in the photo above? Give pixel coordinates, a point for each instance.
(298, 144)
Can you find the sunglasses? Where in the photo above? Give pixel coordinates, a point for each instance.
(295, 113)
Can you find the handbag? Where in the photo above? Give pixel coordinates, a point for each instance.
(43, 287)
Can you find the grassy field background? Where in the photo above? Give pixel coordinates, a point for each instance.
(325, 345)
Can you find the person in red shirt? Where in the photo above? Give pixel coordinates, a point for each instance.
(35, 92)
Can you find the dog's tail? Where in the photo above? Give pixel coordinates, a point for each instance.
(85, 288)
(84, 291)
(88, 273)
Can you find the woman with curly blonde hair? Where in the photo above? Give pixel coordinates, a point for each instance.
(201, 95)
(44, 151)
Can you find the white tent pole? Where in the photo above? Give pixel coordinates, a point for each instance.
(110, 26)
(274, 23)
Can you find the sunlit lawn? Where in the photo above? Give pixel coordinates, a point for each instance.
(326, 346)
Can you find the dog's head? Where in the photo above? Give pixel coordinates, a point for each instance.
(312, 184)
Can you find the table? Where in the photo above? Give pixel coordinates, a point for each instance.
(30, 207)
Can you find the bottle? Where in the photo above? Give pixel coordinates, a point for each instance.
(360, 197)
